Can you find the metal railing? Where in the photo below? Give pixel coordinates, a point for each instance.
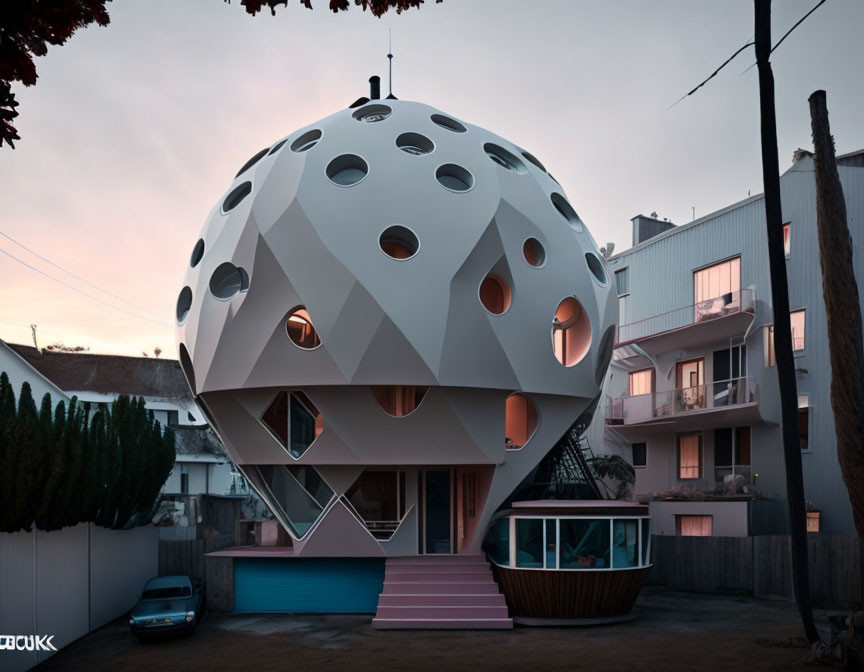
(696, 313)
(643, 407)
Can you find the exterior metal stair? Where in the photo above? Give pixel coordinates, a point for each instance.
(456, 592)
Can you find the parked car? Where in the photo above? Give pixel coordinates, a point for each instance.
(168, 604)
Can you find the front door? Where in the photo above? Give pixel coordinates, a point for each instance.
(437, 512)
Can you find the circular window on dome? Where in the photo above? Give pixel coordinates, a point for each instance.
(571, 332)
(227, 280)
(533, 252)
(398, 400)
(306, 141)
(184, 304)
(596, 267)
(251, 162)
(566, 211)
(347, 170)
(448, 123)
(533, 159)
(372, 113)
(300, 329)
(275, 148)
(237, 194)
(454, 178)
(495, 294)
(504, 158)
(414, 143)
(520, 421)
(197, 253)
(399, 242)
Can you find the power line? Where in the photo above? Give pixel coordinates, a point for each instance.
(83, 293)
(749, 43)
(78, 277)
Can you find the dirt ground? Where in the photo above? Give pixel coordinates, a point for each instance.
(675, 631)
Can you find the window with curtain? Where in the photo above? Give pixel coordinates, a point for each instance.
(787, 241)
(718, 281)
(693, 526)
(641, 382)
(796, 318)
(690, 456)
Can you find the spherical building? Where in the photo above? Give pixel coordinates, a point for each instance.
(390, 318)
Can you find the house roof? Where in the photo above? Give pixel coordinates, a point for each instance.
(197, 440)
(108, 374)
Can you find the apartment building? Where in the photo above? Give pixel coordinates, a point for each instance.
(692, 396)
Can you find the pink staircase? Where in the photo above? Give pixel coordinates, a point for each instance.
(440, 592)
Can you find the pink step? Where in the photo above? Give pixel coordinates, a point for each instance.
(442, 600)
(423, 613)
(437, 560)
(432, 588)
(439, 577)
(443, 624)
(473, 568)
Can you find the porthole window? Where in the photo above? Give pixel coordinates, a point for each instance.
(237, 194)
(197, 253)
(184, 304)
(347, 170)
(414, 143)
(504, 158)
(399, 242)
(398, 400)
(571, 332)
(520, 419)
(495, 294)
(372, 113)
(596, 267)
(306, 141)
(227, 280)
(300, 329)
(566, 211)
(448, 123)
(277, 146)
(454, 178)
(533, 159)
(251, 162)
(533, 252)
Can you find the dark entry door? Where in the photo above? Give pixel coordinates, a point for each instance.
(438, 515)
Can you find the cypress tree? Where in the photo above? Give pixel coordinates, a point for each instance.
(26, 445)
(7, 453)
(48, 513)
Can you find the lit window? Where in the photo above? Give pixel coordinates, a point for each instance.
(717, 288)
(693, 526)
(690, 456)
(640, 454)
(641, 382)
(571, 332)
(796, 318)
(495, 294)
(787, 241)
(300, 329)
(398, 400)
(771, 360)
(520, 420)
(622, 281)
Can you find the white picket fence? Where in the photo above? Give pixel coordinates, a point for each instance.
(69, 582)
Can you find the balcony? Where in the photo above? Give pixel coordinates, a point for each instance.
(717, 404)
(709, 321)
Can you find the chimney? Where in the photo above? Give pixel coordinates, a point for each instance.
(374, 87)
(645, 228)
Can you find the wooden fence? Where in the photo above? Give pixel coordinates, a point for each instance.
(760, 566)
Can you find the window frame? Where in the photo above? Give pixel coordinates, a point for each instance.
(787, 239)
(679, 516)
(639, 466)
(701, 456)
(625, 272)
(712, 264)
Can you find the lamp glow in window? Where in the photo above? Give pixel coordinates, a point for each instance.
(571, 332)
(520, 420)
(398, 400)
(300, 329)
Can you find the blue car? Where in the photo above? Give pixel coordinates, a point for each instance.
(168, 604)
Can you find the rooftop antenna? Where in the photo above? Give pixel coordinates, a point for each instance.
(390, 62)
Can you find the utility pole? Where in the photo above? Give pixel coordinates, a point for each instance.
(784, 359)
(842, 310)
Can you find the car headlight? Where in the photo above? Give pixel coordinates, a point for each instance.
(190, 616)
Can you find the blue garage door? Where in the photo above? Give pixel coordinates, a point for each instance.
(307, 585)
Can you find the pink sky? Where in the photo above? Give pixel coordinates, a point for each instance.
(134, 131)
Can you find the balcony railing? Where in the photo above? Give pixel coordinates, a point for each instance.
(704, 311)
(645, 407)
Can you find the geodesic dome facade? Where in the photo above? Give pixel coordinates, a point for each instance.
(391, 288)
